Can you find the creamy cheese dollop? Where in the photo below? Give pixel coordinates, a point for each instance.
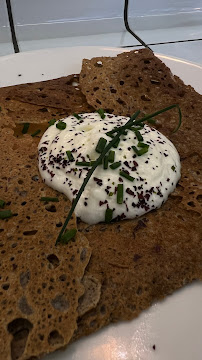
(155, 173)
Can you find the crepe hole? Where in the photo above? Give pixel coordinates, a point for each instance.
(43, 110)
(199, 198)
(155, 82)
(63, 277)
(98, 64)
(145, 98)
(120, 101)
(55, 338)
(20, 329)
(191, 203)
(35, 178)
(5, 286)
(140, 79)
(20, 181)
(127, 75)
(60, 303)
(50, 208)
(1, 230)
(146, 61)
(23, 203)
(96, 88)
(139, 290)
(41, 337)
(53, 260)
(121, 82)
(24, 278)
(171, 86)
(98, 101)
(83, 255)
(59, 224)
(30, 232)
(113, 91)
(103, 310)
(24, 307)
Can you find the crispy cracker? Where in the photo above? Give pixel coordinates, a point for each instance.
(54, 98)
(138, 80)
(143, 260)
(40, 284)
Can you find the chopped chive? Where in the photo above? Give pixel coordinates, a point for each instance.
(173, 168)
(142, 145)
(52, 199)
(68, 235)
(115, 165)
(5, 214)
(101, 113)
(141, 151)
(125, 175)
(77, 116)
(61, 125)
(111, 194)
(69, 155)
(84, 163)
(151, 121)
(36, 133)
(101, 145)
(52, 122)
(111, 156)
(25, 128)
(2, 203)
(139, 136)
(108, 215)
(119, 197)
(116, 143)
(0, 108)
(105, 162)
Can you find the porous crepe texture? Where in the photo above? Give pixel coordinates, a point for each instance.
(39, 102)
(143, 260)
(40, 284)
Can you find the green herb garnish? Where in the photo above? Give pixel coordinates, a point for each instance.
(68, 235)
(52, 122)
(2, 204)
(101, 113)
(173, 168)
(140, 152)
(61, 125)
(105, 162)
(76, 116)
(119, 197)
(115, 165)
(125, 175)
(138, 135)
(36, 133)
(25, 128)
(108, 215)
(116, 144)
(151, 121)
(84, 163)
(142, 145)
(90, 172)
(111, 156)
(5, 214)
(100, 145)
(69, 155)
(52, 199)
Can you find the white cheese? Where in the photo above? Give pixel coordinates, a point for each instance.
(155, 173)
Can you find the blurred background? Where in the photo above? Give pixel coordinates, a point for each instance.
(172, 27)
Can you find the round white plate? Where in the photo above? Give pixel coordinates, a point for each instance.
(170, 329)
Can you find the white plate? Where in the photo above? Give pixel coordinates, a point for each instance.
(174, 325)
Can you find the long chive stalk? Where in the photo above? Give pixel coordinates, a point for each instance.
(90, 172)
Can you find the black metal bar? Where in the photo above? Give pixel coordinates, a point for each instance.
(128, 27)
(163, 43)
(12, 27)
